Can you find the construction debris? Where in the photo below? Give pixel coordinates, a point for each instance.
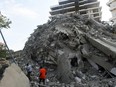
(77, 51)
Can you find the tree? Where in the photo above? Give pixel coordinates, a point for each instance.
(4, 23)
(2, 50)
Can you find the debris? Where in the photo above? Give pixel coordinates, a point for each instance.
(70, 43)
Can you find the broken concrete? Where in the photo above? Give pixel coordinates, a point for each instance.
(14, 77)
(64, 73)
(57, 42)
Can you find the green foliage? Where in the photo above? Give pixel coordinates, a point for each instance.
(2, 53)
(4, 21)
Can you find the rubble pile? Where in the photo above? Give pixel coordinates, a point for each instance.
(75, 50)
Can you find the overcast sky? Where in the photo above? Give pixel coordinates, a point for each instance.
(27, 14)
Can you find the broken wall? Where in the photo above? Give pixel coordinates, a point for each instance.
(14, 77)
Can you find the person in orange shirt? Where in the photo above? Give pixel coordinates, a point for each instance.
(42, 75)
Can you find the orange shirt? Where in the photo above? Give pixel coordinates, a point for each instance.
(42, 73)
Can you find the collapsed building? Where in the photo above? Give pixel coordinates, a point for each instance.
(77, 51)
(74, 48)
(87, 8)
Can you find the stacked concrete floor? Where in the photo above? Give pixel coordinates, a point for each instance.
(87, 8)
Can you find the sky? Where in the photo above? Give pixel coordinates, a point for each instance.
(26, 15)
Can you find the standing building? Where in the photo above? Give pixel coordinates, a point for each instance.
(112, 5)
(89, 8)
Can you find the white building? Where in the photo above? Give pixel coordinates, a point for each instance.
(112, 5)
(88, 8)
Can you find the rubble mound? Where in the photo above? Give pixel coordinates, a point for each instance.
(74, 49)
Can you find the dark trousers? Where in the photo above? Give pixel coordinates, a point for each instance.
(41, 80)
(29, 75)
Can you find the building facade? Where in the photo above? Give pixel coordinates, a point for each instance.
(112, 5)
(89, 8)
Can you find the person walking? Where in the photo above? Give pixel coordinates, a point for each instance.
(42, 75)
(29, 71)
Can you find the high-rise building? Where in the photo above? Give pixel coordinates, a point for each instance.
(112, 5)
(88, 8)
